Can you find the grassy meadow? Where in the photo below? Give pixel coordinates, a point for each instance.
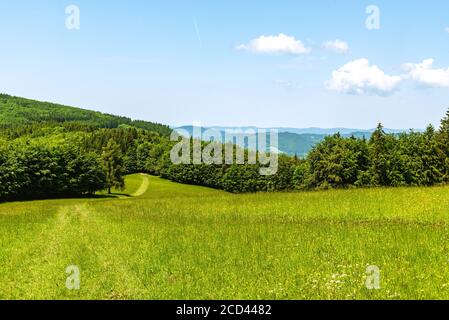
(162, 240)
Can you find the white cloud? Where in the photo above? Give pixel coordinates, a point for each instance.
(337, 46)
(423, 74)
(447, 29)
(359, 77)
(280, 44)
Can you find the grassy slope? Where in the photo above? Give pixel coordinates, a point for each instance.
(187, 242)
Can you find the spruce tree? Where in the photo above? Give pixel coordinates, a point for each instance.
(433, 170)
(112, 163)
(443, 146)
(378, 150)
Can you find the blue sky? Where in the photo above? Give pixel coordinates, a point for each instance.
(230, 63)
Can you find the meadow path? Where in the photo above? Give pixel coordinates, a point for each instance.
(143, 187)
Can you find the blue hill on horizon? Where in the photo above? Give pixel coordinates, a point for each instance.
(298, 141)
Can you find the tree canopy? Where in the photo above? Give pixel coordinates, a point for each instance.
(46, 152)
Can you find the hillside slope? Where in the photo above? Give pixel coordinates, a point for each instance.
(15, 111)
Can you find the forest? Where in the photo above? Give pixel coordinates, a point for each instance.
(49, 150)
(16, 111)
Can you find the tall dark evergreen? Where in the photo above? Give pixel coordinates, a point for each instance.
(432, 155)
(443, 147)
(379, 155)
(112, 163)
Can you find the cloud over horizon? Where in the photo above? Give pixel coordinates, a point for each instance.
(280, 44)
(423, 74)
(359, 77)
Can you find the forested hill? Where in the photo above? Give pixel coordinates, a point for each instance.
(49, 150)
(15, 111)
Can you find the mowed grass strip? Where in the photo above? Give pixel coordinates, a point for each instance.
(187, 242)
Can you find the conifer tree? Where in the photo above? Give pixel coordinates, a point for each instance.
(432, 172)
(112, 163)
(379, 157)
(443, 146)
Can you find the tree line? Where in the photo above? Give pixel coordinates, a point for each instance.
(55, 166)
(384, 160)
(76, 159)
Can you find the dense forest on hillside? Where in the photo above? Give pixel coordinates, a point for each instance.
(49, 150)
(15, 111)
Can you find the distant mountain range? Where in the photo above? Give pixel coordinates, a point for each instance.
(16, 111)
(298, 141)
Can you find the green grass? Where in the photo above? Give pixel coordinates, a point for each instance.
(133, 183)
(188, 242)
